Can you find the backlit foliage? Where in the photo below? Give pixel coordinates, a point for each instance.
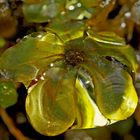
(72, 58)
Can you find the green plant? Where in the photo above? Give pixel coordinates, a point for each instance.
(74, 75)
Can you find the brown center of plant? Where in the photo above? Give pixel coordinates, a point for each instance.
(73, 57)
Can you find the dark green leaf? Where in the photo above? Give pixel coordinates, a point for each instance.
(8, 94)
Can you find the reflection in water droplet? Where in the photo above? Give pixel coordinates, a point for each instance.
(42, 78)
(63, 13)
(37, 34)
(51, 64)
(87, 82)
(4, 87)
(71, 7)
(105, 3)
(123, 25)
(36, 80)
(79, 4)
(124, 97)
(24, 38)
(44, 74)
(127, 14)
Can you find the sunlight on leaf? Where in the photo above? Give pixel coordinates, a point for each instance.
(88, 114)
(112, 45)
(115, 94)
(23, 61)
(49, 105)
(62, 28)
(76, 79)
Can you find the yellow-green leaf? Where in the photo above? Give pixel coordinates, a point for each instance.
(109, 44)
(50, 104)
(23, 61)
(114, 90)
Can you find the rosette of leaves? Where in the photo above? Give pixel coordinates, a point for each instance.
(77, 83)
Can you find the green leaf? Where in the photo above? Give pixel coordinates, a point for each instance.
(88, 114)
(46, 11)
(67, 30)
(50, 104)
(8, 94)
(43, 10)
(115, 93)
(23, 61)
(109, 44)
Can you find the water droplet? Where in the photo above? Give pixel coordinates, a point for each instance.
(127, 14)
(36, 80)
(44, 74)
(4, 87)
(42, 78)
(87, 82)
(51, 64)
(44, 8)
(63, 13)
(133, 71)
(104, 3)
(123, 25)
(79, 4)
(124, 97)
(71, 7)
(37, 34)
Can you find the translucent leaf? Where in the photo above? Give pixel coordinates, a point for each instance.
(35, 51)
(109, 44)
(115, 93)
(8, 94)
(50, 104)
(107, 38)
(67, 30)
(88, 114)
